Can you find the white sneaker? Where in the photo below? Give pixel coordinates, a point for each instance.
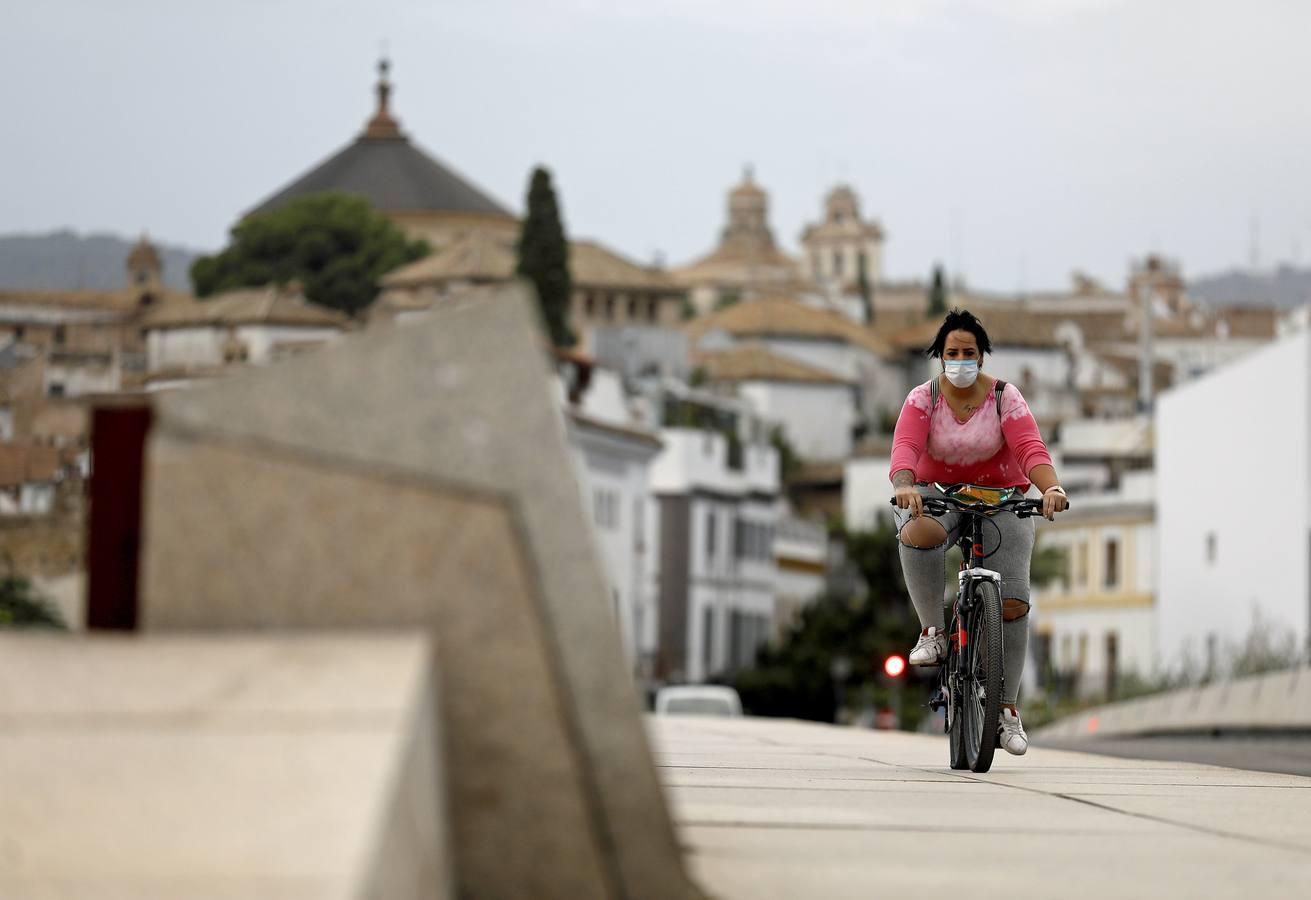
(930, 649)
(1010, 733)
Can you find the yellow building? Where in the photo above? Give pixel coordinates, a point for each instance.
(1099, 621)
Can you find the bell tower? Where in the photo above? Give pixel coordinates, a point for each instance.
(145, 272)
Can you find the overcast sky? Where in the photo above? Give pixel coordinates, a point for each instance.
(1015, 140)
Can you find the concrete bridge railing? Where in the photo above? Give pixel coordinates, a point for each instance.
(1275, 701)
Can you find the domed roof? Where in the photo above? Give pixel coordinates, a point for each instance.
(393, 174)
(747, 188)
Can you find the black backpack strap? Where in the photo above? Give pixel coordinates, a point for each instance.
(999, 387)
(933, 393)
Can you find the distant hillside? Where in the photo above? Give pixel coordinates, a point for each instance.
(1285, 287)
(65, 261)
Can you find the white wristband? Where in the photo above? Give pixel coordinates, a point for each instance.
(1056, 487)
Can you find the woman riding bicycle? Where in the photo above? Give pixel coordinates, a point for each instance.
(965, 432)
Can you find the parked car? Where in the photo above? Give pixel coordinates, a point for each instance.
(698, 700)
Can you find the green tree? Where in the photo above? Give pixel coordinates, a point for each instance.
(22, 607)
(1049, 564)
(544, 257)
(938, 292)
(863, 286)
(337, 246)
(788, 461)
(796, 677)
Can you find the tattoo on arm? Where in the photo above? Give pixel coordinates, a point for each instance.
(903, 478)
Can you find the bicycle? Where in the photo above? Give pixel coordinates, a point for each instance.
(970, 681)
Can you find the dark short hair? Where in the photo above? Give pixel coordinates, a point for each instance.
(959, 320)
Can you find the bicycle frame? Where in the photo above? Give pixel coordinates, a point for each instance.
(950, 678)
(972, 572)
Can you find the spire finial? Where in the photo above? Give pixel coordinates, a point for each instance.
(383, 125)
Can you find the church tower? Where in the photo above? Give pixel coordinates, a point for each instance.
(843, 244)
(145, 272)
(747, 264)
(748, 218)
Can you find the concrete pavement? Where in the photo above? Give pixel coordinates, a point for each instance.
(784, 809)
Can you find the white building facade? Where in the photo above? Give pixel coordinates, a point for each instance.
(801, 555)
(1233, 461)
(717, 573)
(614, 454)
(818, 417)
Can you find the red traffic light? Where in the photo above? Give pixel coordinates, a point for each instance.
(894, 665)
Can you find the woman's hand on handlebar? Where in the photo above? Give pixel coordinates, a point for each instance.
(908, 497)
(1053, 501)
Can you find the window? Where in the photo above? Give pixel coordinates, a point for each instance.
(708, 638)
(589, 305)
(1112, 579)
(837, 263)
(740, 537)
(632, 309)
(61, 334)
(1081, 564)
(639, 526)
(609, 309)
(1210, 546)
(56, 389)
(652, 309)
(605, 508)
(710, 535)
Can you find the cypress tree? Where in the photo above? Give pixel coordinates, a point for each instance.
(938, 292)
(863, 286)
(544, 257)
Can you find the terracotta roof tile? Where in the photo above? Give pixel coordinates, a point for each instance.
(754, 362)
(783, 317)
(483, 256)
(21, 463)
(268, 305)
(115, 302)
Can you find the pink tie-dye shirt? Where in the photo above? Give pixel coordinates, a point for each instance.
(998, 451)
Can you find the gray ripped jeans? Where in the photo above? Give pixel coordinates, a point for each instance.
(1009, 550)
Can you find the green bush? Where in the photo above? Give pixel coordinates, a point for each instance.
(21, 606)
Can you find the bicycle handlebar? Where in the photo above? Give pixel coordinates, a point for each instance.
(1023, 507)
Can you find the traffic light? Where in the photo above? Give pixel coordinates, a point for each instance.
(894, 665)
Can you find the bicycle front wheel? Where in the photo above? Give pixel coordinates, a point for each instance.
(981, 701)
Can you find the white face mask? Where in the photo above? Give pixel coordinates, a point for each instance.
(962, 372)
